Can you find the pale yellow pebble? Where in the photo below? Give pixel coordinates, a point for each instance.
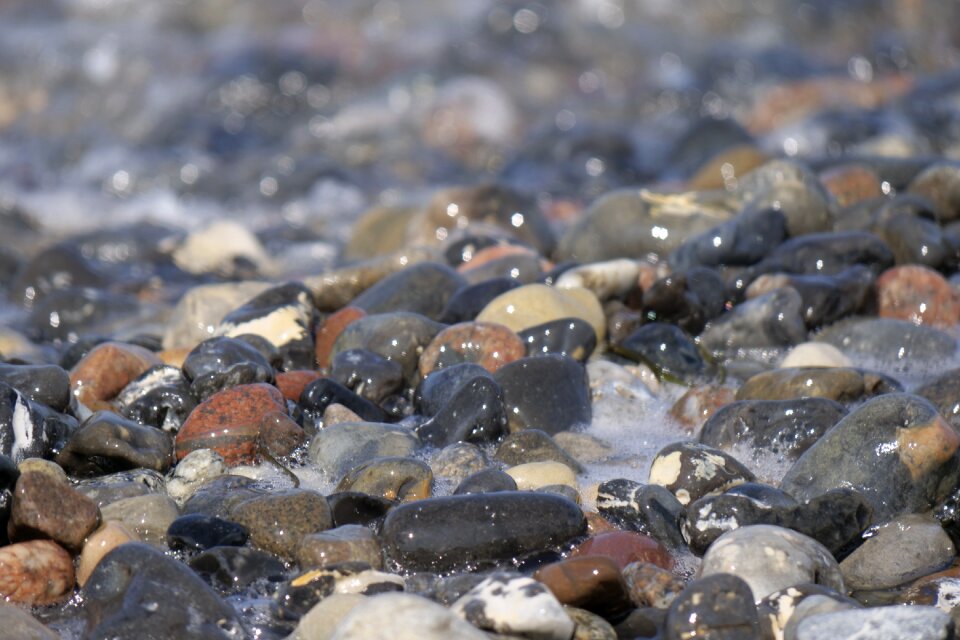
(321, 621)
(533, 475)
(535, 304)
(815, 354)
(336, 413)
(105, 539)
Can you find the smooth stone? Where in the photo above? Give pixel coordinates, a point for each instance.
(440, 534)
(110, 535)
(457, 461)
(409, 617)
(905, 222)
(608, 279)
(944, 392)
(510, 603)
(918, 294)
(278, 522)
(486, 481)
(46, 507)
(626, 223)
(220, 363)
(19, 624)
(196, 531)
(582, 447)
(284, 315)
(571, 337)
(159, 397)
(771, 320)
(699, 404)
(691, 471)
(137, 591)
(531, 476)
(835, 519)
(666, 348)
(533, 445)
(534, 304)
(688, 299)
(589, 626)
(469, 301)
(345, 543)
(200, 310)
(351, 507)
(218, 247)
(719, 606)
(320, 622)
(297, 596)
(624, 548)
(836, 383)
(124, 484)
(323, 392)
(147, 516)
(400, 336)
(907, 547)
(939, 183)
(107, 369)
(338, 448)
(379, 230)
(895, 449)
(58, 267)
(645, 508)
(393, 478)
(192, 471)
(437, 390)
(106, 443)
(367, 374)
(507, 261)
(784, 428)
(824, 299)
(228, 422)
(792, 187)
(815, 354)
(330, 329)
(35, 573)
(852, 183)
(280, 435)
(218, 495)
(336, 413)
(743, 240)
(651, 586)
(9, 473)
(44, 383)
(29, 429)
(550, 393)
(232, 568)
(423, 288)
(769, 558)
(588, 582)
(883, 623)
(889, 340)
(476, 413)
(782, 611)
(487, 344)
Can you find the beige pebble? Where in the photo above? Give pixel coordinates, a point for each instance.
(336, 413)
(533, 475)
(815, 354)
(43, 466)
(321, 621)
(109, 536)
(534, 304)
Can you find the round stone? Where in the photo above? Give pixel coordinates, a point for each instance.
(35, 573)
(625, 547)
(487, 344)
(535, 304)
(109, 536)
(918, 294)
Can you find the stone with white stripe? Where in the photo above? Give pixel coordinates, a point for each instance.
(29, 429)
(509, 603)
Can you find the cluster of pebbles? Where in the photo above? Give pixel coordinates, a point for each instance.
(709, 394)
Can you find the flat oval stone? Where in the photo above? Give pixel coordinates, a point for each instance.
(769, 558)
(200, 532)
(138, 590)
(35, 573)
(278, 522)
(608, 279)
(440, 534)
(338, 448)
(229, 422)
(46, 507)
(424, 288)
(588, 582)
(459, 460)
(550, 393)
(486, 481)
(691, 471)
(895, 449)
(824, 299)
(220, 363)
(400, 336)
(487, 344)
(716, 606)
(345, 543)
(571, 337)
(403, 479)
(106, 443)
(531, 476)
(918, 294)
(107, 369)
(511, 603)
(890, 340)
(837, 383)
(815, 354)
(534, 304)
(44, 383)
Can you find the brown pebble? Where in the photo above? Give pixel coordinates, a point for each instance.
(589, 582)
(35, 573)
(330, 330)
(488, 344)
(107, 369)
(918, 294)
(45, 507)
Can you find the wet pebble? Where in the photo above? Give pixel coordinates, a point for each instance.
(423, 288)
(393, 478)
(571, 337)
(646, 508)
(884, 623)
(110, 535)
(29, 429)
(159, 397)
(588, 582)
(487, 344)
(413, 617)
(230, 568)
(534, 304)
(338, 448)
(47, 507)
(715, 606)
(200, 532)
(220, 363)
(691, 471)
(345, 543)
(549, 393)
(105, 443)
(400, 336)
(148, 516)
(107, 369)
(35, 573)
(889, 340)
(772, 320)
(278, 522)
(840, 384)
(486, 481)
(368, 374)
(41, 383)
(917, 294)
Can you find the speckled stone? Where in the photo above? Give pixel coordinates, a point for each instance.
(769, 558)
(646, 508)
(459, 460)
(589, 582)
(278, 522)
(338, 448)
(410, 617)
(651, 586)
(717, 606)
(393, 478)
(698, 404)
(229, 422)
(918, 294)
(487, 344)
(35, 573)
(510, 603)
(691, 471)
(346, 543)
(107, 369)
(148, 516)
(882, 623)
(895, 449)
(534, 304)
(782, 611)
(193, 470)
(45, 507)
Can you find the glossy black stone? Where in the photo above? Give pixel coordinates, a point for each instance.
(321, 393)
(160, 397)
(423, 288)
(476, 413)
(742, 240)
(436, 390)
(367, 374)
(468, 302)
(550, 393)
(8, 480)
(29, 429)
(571, 337)
(106, 442)
(688, 299)
(828, 298)
(486, 481)
(44, 383)
(666, 349)
(200, 532)
(646, 508)
(221, 363)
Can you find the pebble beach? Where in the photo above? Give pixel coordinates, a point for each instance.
(348, 320)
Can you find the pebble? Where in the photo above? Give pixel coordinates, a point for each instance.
(393, 478)
(352, 507)
(646, 508)
(345, 543)
(323, 392)
(691, 471)
(944, 392)
(124, 484)
(533, 445)
(423, 288)
(402, 616)
(698, 404)
(320, 622)
(571, 337)
(782, 611)
(882, 623)
(889, 340)
(148, 516)
(46, 384)
(29, 429)
(534, 304)
(688, 299)
(220, 363)
(229, 422)
(330, 329)
(895, 449)
(487, 344)
(836, 383)
(368, 374)
(470, 300)
(196, 531)
(457, 461)
(714, 606)
(444, 533)
(588, 582)
(649, 585)
(608, 279)
(110, 535)
(486, 481)
(624, 548)
(550, 393)
(824, 299)
(670, 352)
(907, 547)
(917, 294)
(278, 522)
(400, 336)
(815, 354)
(769, 558)
(338, 448)
(199, 311)
(105, 443)
(19, 624)
(107, 369)
(531, 476)
(743, 240)
(35, 573)
(231, 568)
(515, 604)
(159, 397)
(192, 471)
(772, 320)
(47, 507)
(938, 183)
(589, 626)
